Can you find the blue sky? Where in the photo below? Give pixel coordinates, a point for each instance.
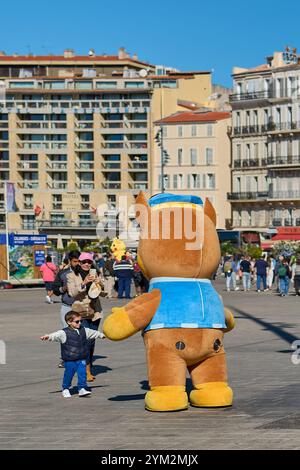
(189, 35)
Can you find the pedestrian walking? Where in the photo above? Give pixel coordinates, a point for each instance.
(109, 276)
(261, 267)
(74, 351)
(48, 270)
(271, 272)
(124, 272)
(284, 275)
(245, 267)
(230, 271)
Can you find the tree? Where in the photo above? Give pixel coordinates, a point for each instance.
(253, 251)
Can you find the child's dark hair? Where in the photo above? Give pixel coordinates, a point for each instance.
(71, 315)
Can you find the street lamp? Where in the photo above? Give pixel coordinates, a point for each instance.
(164, 156)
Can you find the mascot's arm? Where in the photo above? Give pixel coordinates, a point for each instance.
(135, 316)
(229, 320)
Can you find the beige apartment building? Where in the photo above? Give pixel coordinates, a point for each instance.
(77, 132)
(266, 144)
(196, 157)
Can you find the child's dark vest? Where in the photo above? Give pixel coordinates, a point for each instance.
(76, 346)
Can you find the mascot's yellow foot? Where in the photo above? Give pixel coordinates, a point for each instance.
(211, 394)
(166, 398)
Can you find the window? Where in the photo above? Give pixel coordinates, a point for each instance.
(179, 156)
(83, 85)
(28, 221)
(85, 201)
(28, 201)
(211, 180)
(60, 85)
(194, 131)
(164, 132)
(134, 85)
(209, 129)
(180, 131)
(175, 181)
(209, 156)
(106, 85)
(21, 84)
(194, 157)
(238, 151)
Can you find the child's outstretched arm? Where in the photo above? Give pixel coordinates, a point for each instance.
(58, 336)
(135, 316)
(93, 334)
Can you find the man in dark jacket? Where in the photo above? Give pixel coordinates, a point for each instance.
(123, 270)
(261, 272)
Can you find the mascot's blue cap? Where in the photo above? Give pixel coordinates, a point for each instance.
(167, 197)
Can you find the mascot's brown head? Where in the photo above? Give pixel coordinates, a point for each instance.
(178, 236)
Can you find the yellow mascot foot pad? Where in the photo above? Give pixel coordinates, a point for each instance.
(166, 398)
(118, 326)
(211, 395)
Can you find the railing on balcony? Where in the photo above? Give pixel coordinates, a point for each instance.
(88, 222)
(28, 184)
(27, 165)
(247, 195)
(84, 145)
(111, 165)
(138, 185)
(41, 125)
(246, 163)
(84, 125)
(284, 194)
(138, 165)
(85, 185)
(57, 206)
(28, 225)
(28, 205)
(111, 185)
(287, 160)
(264, 128)
(254, 95)
(57, 165)
(4, 164)
(68, 223)
(57, 184)
(85, 165)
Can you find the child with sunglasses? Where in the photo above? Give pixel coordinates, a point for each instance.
(74, 351)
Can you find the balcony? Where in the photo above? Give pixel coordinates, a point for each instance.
(288, 160)
(84, 146)
(84, 165)
(24, 165)
(255, 95)
(284, 195)
(111, 185)
(57, 206)
(67, 224)
(247, 195)
(246, 163)
(28, 184)
(88, 222)
(28, 205)
(57, 166)
(57, 184)
(84, 125)
(138, 185)
(138, 165)
(288, 222)
(28, 225)
(85, 185)
(4, 164)
(111, 165)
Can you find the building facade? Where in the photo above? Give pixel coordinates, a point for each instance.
(266, 144)
(77, 132)
(196, 152)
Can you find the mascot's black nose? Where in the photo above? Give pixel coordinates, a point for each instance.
(180, 345)
(217, 345)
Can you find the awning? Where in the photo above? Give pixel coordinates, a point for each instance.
(286, 237)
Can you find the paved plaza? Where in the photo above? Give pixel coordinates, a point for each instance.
(266, 384)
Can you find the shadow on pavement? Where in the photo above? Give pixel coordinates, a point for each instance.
(139, 396)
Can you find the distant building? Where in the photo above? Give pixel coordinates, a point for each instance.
(197, 156)
(266, 143)
(77, 131)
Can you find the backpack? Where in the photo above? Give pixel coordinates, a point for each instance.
(57, 284)
(282, 271)
(227, 267)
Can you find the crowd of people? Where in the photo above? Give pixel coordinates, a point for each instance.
(263, 274)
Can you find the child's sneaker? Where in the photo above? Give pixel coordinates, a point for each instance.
(66, 393)
(48, 300)
(83, 392)
(102, 335)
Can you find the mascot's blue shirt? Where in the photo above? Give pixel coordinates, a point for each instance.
(186, 303)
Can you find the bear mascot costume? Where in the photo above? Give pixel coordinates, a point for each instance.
(182, 317)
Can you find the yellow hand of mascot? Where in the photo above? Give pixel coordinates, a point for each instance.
(182, 317)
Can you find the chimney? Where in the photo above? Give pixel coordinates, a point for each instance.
(92, 53)
(135, 57)
(122, 53)
(277, 59)
(68, 53)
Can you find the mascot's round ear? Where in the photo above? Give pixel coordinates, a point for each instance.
(142, 208)
(210, 211)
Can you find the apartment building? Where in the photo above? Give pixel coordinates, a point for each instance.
(266, 143)
(77, 132)
(195, 150)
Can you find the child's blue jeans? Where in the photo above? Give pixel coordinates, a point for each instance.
(71, 368)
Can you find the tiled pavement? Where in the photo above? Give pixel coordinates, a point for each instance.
(266, 384)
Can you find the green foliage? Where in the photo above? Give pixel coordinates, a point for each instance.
(227, 247)
(72, 246)
(286, 248)
(253, 251)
